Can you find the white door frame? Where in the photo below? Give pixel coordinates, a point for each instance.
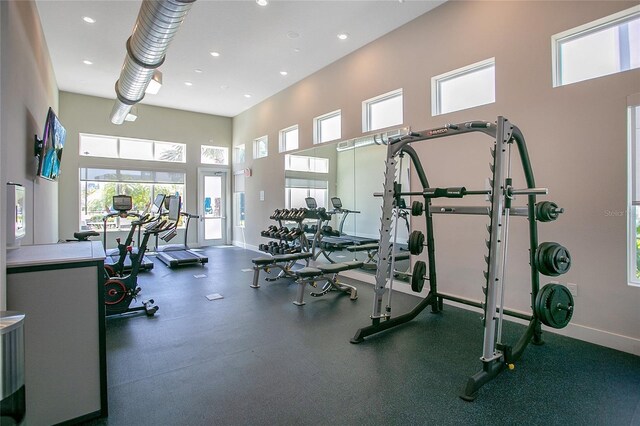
(225, 171)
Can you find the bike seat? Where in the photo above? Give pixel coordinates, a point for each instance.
(84, 235)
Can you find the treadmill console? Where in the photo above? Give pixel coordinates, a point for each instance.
(311, 203)
(337, 203)
(122, 203)
(157, 203)
(174, 208)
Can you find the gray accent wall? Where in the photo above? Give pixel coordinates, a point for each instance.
(27, 89)
(576, 134)
(89, 114)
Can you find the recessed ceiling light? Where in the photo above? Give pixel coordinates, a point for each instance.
(283, 73)
(296, 49)
(293, 34)
(88, 20)
(343, 36)
(224, 87)
(215, 54)
(188, 83)
(87, 62)
(262, 2)
(247, 95)
(198, 70)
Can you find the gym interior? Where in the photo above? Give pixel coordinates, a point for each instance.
(432, 222)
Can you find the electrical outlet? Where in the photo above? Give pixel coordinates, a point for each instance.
(573, 288)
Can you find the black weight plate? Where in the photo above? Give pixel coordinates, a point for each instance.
(417, 208)
(417, 277)
(561, 260)
(542, 259)
(553, 259)
(561, 296)
(416, 242)
(546, 211)
(547, 303)
(538, 304)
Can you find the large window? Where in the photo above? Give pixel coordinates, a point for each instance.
(238, 154)
(304, 163)
(606, 46)
(210, 154)
(634, 190)
(382, 111)
(289, 138)
(239, 208)
(261, 147)
(98, 186)
(296, 190)
(464, 88)
(131, 149)
(327, 127)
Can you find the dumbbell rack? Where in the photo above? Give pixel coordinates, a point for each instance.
(551, 305)
(320, 215)
(290, 240)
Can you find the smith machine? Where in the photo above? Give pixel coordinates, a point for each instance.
(551, 305)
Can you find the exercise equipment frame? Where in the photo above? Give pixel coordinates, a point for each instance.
(495, 354)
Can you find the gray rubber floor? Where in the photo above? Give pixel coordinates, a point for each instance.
(254, 358)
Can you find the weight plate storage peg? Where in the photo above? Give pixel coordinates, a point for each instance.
(416, 242)
(552, 259)
(554, 305)
(417, 208)
(418, 276)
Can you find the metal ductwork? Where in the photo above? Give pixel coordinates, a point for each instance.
(157, 24)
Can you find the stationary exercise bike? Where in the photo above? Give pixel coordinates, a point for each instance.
(119, 268)
(117, 261)
(119, 292)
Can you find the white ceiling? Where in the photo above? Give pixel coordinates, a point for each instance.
(255, 43)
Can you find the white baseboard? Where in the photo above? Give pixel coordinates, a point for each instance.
(576, 331)
(246, 246)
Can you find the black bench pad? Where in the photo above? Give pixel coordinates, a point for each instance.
(363, 247)
(308, 272)
(402, 256)
(334, 268)
(292, 256)
(261, 261)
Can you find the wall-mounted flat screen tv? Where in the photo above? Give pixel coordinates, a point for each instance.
(50, 154)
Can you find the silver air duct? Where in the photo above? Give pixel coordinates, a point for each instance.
(157, 24)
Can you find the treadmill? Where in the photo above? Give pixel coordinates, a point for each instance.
(174, 255)
(122, 204)
(337, 206)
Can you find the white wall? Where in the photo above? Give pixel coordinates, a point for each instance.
(3, 195)
(576, 134)
(27, 89)
(89, 114)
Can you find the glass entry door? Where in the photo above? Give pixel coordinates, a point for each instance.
(212, 207)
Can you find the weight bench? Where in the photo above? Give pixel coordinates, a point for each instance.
(281, 261)
(372, 252)
(328, 274)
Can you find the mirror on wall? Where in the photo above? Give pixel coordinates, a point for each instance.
(342, 177)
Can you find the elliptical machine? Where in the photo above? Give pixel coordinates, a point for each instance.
(119, 292)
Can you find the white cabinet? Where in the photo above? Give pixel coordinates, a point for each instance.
(60, 289)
